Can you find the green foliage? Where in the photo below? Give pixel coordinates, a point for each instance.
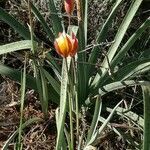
(146, 98)
(63, 104)
(77, 82)
(21, 45)
(23, 87)
(23, 31)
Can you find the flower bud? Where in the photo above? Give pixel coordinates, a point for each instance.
(66, 45)
(69, 6)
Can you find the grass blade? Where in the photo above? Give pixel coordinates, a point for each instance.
(121, 31)
(63, 104)
(23, 87)
(146, 98)
(134, 117)
(27, 123)
(57, 125)
(97, 134)
(120, 84)
(86, 20)
(56, 20)
(118, 38)
(16, 75)
(132, 69)
(44, 88)
(52, 81)
(15, 46)
(108, 119)
(129, 43)
(96, 115)
(103, 33)
(24, 32)
(54, 65)
(30, 81)
(43, 23)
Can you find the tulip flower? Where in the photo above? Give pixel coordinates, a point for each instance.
(66, 45)
(69, 6)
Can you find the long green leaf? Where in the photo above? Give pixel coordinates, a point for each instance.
(146, 98)
(56, 20)
(44, 86)
(54, 65)
(120, 84)
(118, 38)
(64, 147)
(43, 22)
(82, 73)
(15, 46)
(52, 81)
(63, 104)
(86, 21)
(137, 119)
(24, 32)
(95, 119)
(99, 131)
(16, 75)
(30, 81)
(23, 87)
(108, 119)
(121, 31)
(129, 43)
(103, 33)
(132, 69)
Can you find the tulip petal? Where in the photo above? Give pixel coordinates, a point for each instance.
(74, 45)
(57, 48)
(62, 43)
(69, 6)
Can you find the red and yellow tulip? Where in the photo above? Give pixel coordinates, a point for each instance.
(66, 45)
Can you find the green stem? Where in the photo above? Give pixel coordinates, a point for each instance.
(31, 27)
(146, 98)
(71, 121)
(23, 86)
(96, 115)
(76, 99)
(69, 18)
(70, 107)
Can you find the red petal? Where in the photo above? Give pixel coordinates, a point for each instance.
(69, 6)
(74, 45)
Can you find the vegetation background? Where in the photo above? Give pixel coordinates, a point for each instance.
(123, 126)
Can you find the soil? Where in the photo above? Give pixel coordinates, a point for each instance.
(36, 136)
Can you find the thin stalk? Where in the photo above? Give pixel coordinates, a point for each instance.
(71, 121)
(146, 98)
(67, 138)
(76, 100)
(83, 129)
(69, 19)
(96, 115)
(31, 27)
(70, 108)
(23, 86)
(39, 78)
